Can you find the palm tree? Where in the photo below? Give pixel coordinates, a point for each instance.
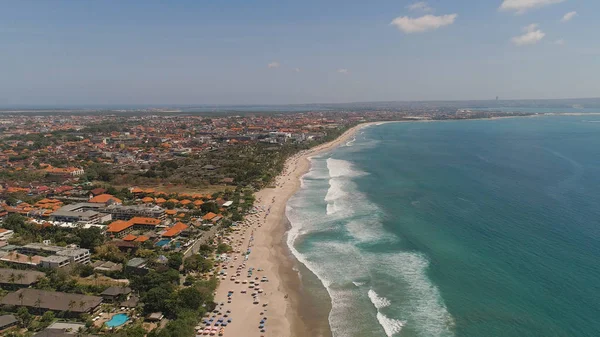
(12, 278)
(20, 276)
(71, 305)
(38, 304)
(21, 298)
(82, 304)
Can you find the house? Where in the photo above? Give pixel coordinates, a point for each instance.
(98, 191)
(119, 228)
(42, 300)
(155, 317)
(19, 278)
(106, 266)
(7, 322)
(175, 230)
(137, 265)
(113, 294)
(144, 223)
(106, 199)
(5, 234)
(209, 216)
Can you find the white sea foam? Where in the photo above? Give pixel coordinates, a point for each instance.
(341, 173)
(342, 168)
(340, 263)
(390, 326)
(424, 306)
(378, 301)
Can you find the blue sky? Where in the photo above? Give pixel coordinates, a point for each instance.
(276, 52)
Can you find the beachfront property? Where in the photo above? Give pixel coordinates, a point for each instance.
(17, 278)
(81, 213)
(42, 300)
(121, 228)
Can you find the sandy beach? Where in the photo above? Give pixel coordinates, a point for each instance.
(269, 266)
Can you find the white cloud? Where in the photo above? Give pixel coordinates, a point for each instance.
(420, 6)
(423, 23)
(343, 71)
(559, 42)
(297, 70)
(532, 35)
(568, 16)
(522, 6)
(273, 65)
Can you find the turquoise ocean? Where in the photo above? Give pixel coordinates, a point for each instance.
(458, 228)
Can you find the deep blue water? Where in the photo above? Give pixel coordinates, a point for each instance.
(466, 228)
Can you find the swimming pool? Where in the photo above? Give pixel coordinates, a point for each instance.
(163, 242)
(117, 320)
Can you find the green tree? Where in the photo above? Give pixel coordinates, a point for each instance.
(223, 248)
(48, 316)
(175, 260)
(90, 238)
(24, 316)
(209, 207)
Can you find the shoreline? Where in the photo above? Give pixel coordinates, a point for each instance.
(265, 235)
(289, 310)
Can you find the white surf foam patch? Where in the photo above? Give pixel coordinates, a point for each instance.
(390, 326)
(343, 267)
(341, 173)
(378, 301)
(423, 306)
(351, 142)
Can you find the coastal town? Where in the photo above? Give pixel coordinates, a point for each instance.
(155, 225)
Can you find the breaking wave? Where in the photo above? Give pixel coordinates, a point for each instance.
(334, 227)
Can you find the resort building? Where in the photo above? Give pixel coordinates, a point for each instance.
(55, 261)
(76, 255)
(16, 278)
(127, 212)
(42, 300)
(82, 213)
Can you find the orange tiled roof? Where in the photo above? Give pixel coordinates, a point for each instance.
(209, 216)
(170, 212)
(142, 238)
(147, 200)
(185, 202)
(103, 198)
(144, 221)
(118, 226)
(175, 230)
(129, 237)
